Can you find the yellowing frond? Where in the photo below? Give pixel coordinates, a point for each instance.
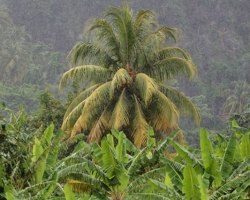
(92, 72)
(120, 114)
(182, 102)
(139, 125)
(101, 125)
(121, 78)
(145, 87)
(162, 112)
(170, 67)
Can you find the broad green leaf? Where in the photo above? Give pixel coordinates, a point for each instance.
(226, 166)
(108, 159)
(203, 188)
(213, 170)
(245, 146)
(190, 183)
(9, 196)
(150, 139)
(168, 181)
(47, 136)
(121, 149)
(206, 148)
(186, 155)
(69, 195)
(37, 150)
(124, 180)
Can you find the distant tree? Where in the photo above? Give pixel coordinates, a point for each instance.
(15, 55)
(127, 61)
(51, 110)
(5, 20)
(238, 97)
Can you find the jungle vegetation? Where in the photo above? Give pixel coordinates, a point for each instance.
(127, 92)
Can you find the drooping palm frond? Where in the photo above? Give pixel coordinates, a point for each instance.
(93, 106)
(162, 112)
(71, 118)
(139, 125)
(145, 87)
(121, 112)
(171, 67)
(80, 98)
(120, 79)
(84, 52)
(102, 124)
(182, 102)
(95, 73)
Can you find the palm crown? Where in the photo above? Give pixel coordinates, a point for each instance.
(127, 63)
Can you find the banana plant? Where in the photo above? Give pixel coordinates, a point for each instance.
(204, 175)
(116, 169)
(39, 179)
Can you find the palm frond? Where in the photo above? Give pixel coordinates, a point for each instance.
(139, 125)
(80, 98)
(164, 144)
(143, 23)
(121, 17)
(182, 102)
(120, 114)
(71, 117)
(120, 79)
(101, 125)
(94, 105)
(145, 87)
(95, 73)
(169, 52)
(105, 34)
(163, 114)
(170, 67)
(84, 52)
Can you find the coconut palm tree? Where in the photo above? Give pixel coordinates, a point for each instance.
(127, 62)
(237, 98)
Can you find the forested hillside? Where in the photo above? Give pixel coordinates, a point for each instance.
(36, 37)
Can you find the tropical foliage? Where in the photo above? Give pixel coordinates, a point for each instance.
(127, 62)
(116, 169)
